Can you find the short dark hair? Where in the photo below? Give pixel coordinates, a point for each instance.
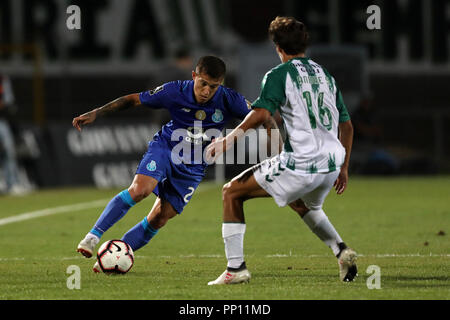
(289, 34)
(212, 66)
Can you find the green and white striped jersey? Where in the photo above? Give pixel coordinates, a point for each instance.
(311, 107)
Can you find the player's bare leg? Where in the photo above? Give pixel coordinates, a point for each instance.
(161, 212)
(235, 193)
(139, 189)
(241, 188)
(319, 224)
(144, 231)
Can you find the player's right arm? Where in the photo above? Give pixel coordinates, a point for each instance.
(122, 103)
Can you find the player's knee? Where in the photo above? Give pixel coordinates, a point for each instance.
(138, 193)
(234, 191)
(299, 207)
(226, 190)
(301, 210)
(229, 191)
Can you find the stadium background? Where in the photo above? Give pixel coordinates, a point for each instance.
(394, 212)
(402, 70)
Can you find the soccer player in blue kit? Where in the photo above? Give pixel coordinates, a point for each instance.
(202, 100)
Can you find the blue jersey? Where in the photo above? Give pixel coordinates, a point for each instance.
(196, 119)
(192, 125)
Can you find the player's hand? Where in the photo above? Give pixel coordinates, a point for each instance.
(215, 149)
(341, 182)
(83, 120)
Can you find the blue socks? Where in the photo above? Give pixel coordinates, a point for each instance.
(136, 237)
(114, 211)
(139, 235)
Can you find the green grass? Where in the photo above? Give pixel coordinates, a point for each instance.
(392, 223)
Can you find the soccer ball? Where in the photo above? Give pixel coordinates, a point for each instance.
(115, 256)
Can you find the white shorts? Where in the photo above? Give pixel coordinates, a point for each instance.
(286, 185)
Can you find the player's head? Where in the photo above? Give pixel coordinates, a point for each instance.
(289, 35)
(208, 76)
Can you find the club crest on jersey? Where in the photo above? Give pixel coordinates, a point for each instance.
(151, 166)
(217, 116)
(200, 115)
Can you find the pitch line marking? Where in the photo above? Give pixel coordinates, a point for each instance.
(76, 207)
(54, 210)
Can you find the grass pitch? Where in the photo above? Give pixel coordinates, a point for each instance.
(401, 225)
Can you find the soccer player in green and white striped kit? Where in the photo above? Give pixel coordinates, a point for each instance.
(315, 156)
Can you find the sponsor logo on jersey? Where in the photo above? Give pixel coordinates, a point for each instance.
(186, 109)
(195, 135)
(156, 90)
(217, 116)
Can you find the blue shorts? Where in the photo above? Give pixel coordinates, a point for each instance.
(176, 182)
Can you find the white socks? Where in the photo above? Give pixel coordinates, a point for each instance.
(233, 237)
(316, 220)
(319, 224)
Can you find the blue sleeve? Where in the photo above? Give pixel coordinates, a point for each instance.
(238, 106)
(158, 97)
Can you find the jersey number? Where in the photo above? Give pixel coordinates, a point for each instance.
(192, 189)
(324, 112)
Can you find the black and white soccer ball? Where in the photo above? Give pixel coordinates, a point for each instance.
(115, 256)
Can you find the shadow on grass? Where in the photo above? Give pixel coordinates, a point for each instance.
(418, 282)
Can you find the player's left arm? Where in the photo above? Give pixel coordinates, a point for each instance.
(346, 138)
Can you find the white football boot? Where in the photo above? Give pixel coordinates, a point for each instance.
(347, 265)
(96, 268)
(232, 277)
(87, 246)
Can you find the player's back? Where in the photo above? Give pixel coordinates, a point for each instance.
(311, 109)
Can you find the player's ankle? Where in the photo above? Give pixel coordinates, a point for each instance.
(240, 268)
(342, 246)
